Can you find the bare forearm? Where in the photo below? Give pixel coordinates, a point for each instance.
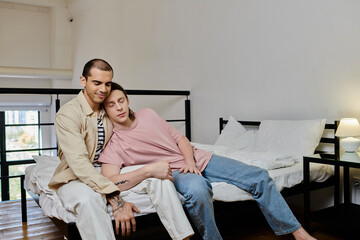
(125, 181)
(186, 150)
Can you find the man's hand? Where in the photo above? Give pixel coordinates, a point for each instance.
(160, 170)
(123, 214)
(124, 217)
(191, 168)
(188, 152)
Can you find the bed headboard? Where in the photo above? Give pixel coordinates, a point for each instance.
(64, 91)
(333, 140)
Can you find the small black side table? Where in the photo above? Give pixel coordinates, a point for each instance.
(344, 216)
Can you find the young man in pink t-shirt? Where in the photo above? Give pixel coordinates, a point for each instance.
(145, 138)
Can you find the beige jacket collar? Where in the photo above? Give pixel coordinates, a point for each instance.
(84, 104)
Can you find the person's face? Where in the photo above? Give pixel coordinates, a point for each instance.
(117, 109)
(96, 87)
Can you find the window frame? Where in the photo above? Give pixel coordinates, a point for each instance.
(4, 163)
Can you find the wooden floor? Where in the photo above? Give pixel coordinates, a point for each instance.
(250, 226)
(37, 227)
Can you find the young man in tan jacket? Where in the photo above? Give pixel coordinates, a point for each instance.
(82, 130)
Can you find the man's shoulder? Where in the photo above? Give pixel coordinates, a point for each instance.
(70, 108)
(146, 111)
(147, 114)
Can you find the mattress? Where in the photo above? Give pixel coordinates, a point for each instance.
(287, 175)
(285, 170)
(283, 178)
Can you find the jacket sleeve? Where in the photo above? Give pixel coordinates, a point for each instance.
(71, 141)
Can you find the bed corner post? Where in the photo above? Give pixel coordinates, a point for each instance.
(57, 103)
(337, 141)
(187, 119)
(23, 198)
(221, 124)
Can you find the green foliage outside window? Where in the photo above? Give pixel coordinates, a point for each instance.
(17, 138)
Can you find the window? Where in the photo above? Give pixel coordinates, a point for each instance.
(22, 134)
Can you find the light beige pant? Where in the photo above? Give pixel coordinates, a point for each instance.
(167, 204)
(93, 221)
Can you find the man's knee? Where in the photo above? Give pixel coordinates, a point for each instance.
(80, 197)
(154, 185)
(263, 183)
(90, 204)
(199, 191)
(264, 176)
(91, 199)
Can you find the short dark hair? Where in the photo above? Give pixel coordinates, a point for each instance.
(116, 86)
(98, 64)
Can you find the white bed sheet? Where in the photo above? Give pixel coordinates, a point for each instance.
(283, 178)
(39, 175)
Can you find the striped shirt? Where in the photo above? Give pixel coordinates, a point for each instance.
(101, 139)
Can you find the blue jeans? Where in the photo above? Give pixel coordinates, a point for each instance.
(197, 192)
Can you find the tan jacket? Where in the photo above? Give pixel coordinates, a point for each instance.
(76, 132)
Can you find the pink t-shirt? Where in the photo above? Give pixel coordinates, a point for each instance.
(149, 139)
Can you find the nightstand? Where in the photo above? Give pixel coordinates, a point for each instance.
(346, 215)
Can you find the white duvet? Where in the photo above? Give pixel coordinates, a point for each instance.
(265, 160)
(285, 170)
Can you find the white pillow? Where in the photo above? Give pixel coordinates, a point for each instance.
(235, 135)
(231, 130)
(299, 138)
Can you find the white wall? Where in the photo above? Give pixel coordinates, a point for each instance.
(24, 36)
(32, 37)
(254, 59)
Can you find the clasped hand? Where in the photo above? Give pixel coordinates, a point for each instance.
(160, 170)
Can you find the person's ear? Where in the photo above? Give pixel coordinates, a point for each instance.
(83, 81)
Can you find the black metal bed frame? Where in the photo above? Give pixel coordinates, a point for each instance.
(300, 188)
(69, 229)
